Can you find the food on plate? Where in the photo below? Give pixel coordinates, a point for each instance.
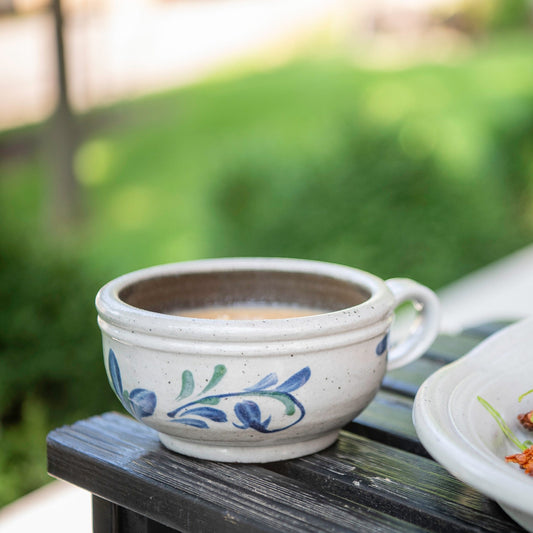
(525, 457)
(526, 419)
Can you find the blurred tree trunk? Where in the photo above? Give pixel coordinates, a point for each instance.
(65, 201)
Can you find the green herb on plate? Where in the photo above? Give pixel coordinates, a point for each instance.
(525, 457)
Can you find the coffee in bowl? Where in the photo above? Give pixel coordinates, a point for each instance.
(247, 311)
(187, 355)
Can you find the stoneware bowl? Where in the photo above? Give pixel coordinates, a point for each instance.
(254, 390)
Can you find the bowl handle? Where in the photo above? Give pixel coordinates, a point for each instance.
(425, 325)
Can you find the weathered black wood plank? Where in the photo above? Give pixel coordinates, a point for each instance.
(445, 349)
(448, 348)
(407, 380)
(486, 329)
(122, 461)
(104, 516)
(111, 518)
(388, 419)
(410, 487)
(356, 485)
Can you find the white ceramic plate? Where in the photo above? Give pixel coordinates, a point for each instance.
(461, 435)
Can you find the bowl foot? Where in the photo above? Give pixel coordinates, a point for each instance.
(257, 453)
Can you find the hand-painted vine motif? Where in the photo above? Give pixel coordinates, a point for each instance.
(246, 403)
(139, 402)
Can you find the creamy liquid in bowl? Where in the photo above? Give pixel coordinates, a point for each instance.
(248, 312)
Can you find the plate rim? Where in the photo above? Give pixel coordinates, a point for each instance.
(436, 429)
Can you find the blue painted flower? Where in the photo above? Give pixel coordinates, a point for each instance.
(249, 414)
(139, 402)
(142, 402)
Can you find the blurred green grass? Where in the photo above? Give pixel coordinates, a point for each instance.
(422, 171)
(147, 178)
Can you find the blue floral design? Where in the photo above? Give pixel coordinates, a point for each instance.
(249, 414)
(139, 402)
(199, 413)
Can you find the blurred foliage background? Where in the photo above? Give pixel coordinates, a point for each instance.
(401, 157)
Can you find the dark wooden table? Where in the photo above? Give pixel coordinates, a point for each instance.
(377, 477)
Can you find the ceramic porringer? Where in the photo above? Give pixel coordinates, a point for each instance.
(255, 390)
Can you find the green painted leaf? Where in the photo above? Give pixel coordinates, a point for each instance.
(210, 400)
(218, 374)
(126, 401)
(187, 385)
(285, 400)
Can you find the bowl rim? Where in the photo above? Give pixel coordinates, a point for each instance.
(371, 313)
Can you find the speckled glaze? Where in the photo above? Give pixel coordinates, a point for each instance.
(255, 390)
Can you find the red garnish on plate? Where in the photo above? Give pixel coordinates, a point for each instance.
(524, 459)
(526, 419)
